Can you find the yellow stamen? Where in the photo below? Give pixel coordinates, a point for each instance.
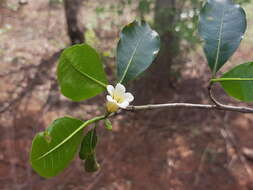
(111, 107)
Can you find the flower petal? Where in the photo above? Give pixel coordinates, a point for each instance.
(110, 99)
(110, 89)
(120, 89)
(128, 97)
(123, 104)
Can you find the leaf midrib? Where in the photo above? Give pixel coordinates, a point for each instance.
(86, 75)
(132, 56)
(71, 135)
(231, 79)
(219, 42)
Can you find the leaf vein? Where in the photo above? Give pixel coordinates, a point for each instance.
(133, 54)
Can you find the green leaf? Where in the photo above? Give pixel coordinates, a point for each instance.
(222, 26)
(53, 149)
(136, 50)
(238, 82)
(48, 160)
(108, 124)
(88, 144)
(91, 164)
(80, 73)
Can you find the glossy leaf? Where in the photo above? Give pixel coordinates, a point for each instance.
(136, 50)
(53, 149)
(91, 164)
(88, 144)
(222, 26)
(238, 82)
(80, 73)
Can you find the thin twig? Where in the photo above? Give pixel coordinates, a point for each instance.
(170, 105)
(32, 83)
(217, 106)
(230, 138)
(24, 68)
(201, 165)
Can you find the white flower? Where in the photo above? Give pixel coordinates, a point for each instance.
(117, 98)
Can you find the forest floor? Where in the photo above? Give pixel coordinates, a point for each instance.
(179, 149)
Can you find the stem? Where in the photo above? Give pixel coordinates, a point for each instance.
(231, 79)
(170, 105)
(216, 106)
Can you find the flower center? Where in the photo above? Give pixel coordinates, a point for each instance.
(118, 97)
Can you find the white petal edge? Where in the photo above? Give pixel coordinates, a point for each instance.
(120, 88)
(123, 104)
(128, 97)
(110, 99)
(110, 89)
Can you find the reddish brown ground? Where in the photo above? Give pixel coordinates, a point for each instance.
(179, 149)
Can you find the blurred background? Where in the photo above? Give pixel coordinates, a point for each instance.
(160, 149)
